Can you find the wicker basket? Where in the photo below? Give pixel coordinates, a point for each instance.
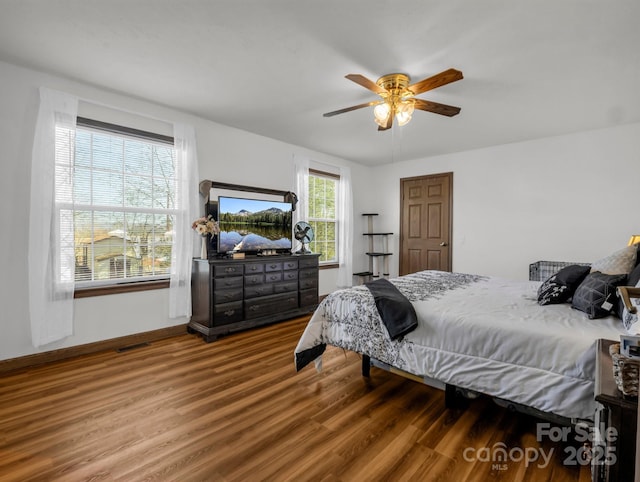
(625, 371)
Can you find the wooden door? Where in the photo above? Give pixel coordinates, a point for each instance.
(425, 226)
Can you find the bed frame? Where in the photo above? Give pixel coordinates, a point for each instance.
(457, 397)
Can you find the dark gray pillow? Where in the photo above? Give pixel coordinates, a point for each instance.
(596, 295)
(561, 286)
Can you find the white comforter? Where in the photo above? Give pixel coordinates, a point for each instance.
(479, 333)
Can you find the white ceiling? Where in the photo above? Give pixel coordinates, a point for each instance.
(532, 68)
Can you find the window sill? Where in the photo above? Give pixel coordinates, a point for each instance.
(329, 266)
(121, 288)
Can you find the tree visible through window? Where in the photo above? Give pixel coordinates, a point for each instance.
(323, 215)
(123, 205)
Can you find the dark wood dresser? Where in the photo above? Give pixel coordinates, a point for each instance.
(235, 294)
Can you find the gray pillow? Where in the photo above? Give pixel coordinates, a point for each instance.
(596, 295)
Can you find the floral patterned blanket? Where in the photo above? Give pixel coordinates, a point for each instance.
(349, 318)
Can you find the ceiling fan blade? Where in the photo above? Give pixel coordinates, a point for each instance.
(366, 83)
(437, 80)
(436, 108)
(354, 107)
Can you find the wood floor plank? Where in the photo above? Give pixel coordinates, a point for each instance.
(183, 410)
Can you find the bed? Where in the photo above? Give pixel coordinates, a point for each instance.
(483, 334)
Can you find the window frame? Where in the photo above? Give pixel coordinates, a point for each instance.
(332, 263)
(121, 285)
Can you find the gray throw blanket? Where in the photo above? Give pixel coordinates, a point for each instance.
(396, 311)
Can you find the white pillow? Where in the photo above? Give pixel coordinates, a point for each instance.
(620, 262)
(630, 320)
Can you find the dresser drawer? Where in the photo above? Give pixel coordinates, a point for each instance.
(253, 279)
(284, 287)
(308, 262)
(290, 275)
(220, 270)
(273, 277)
(308, 273)
(254, 268)
(268, 305)
(225, 296)
(258, 290)
(308, 297)
(293, 264)
(308, 283)
(273, 266)
(227, 313)
(228, 282)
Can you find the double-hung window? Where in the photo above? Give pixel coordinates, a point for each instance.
(323, 215)
(123, 204)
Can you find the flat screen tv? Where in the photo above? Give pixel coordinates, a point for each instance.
(253, 225)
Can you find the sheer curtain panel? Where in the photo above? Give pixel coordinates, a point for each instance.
(345, 230)
(301, 187)
(51, 257)
(186, 243)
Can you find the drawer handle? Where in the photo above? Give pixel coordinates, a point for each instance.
(290, 276)
(274, 266)
(229, 312)
(273, 278)
(254, 308)
(254, 268)
(229, 270)
(228, 296)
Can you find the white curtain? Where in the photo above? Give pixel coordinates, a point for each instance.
(51, 259)
(188, 205)
(345, 230)
(301, 188)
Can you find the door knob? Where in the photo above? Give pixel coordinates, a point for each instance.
(444, 243)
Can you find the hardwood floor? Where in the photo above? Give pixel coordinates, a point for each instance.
(235, 410)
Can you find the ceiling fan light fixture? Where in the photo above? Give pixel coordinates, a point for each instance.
(381, 113)
(404, 111)
(403, 118)
(398, 97)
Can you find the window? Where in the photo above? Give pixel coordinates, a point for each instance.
(323, 214)
(122, 204)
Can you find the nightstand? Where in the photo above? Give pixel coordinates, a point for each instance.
(614, 411)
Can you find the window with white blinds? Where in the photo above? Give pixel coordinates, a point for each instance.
(323, 215)
(123, 203)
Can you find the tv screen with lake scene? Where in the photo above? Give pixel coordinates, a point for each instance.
(253, 225)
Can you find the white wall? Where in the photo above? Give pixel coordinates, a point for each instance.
(562, 198)
(225, 154)
(568, 198)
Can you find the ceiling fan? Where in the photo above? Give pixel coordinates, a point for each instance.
(398, 97)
